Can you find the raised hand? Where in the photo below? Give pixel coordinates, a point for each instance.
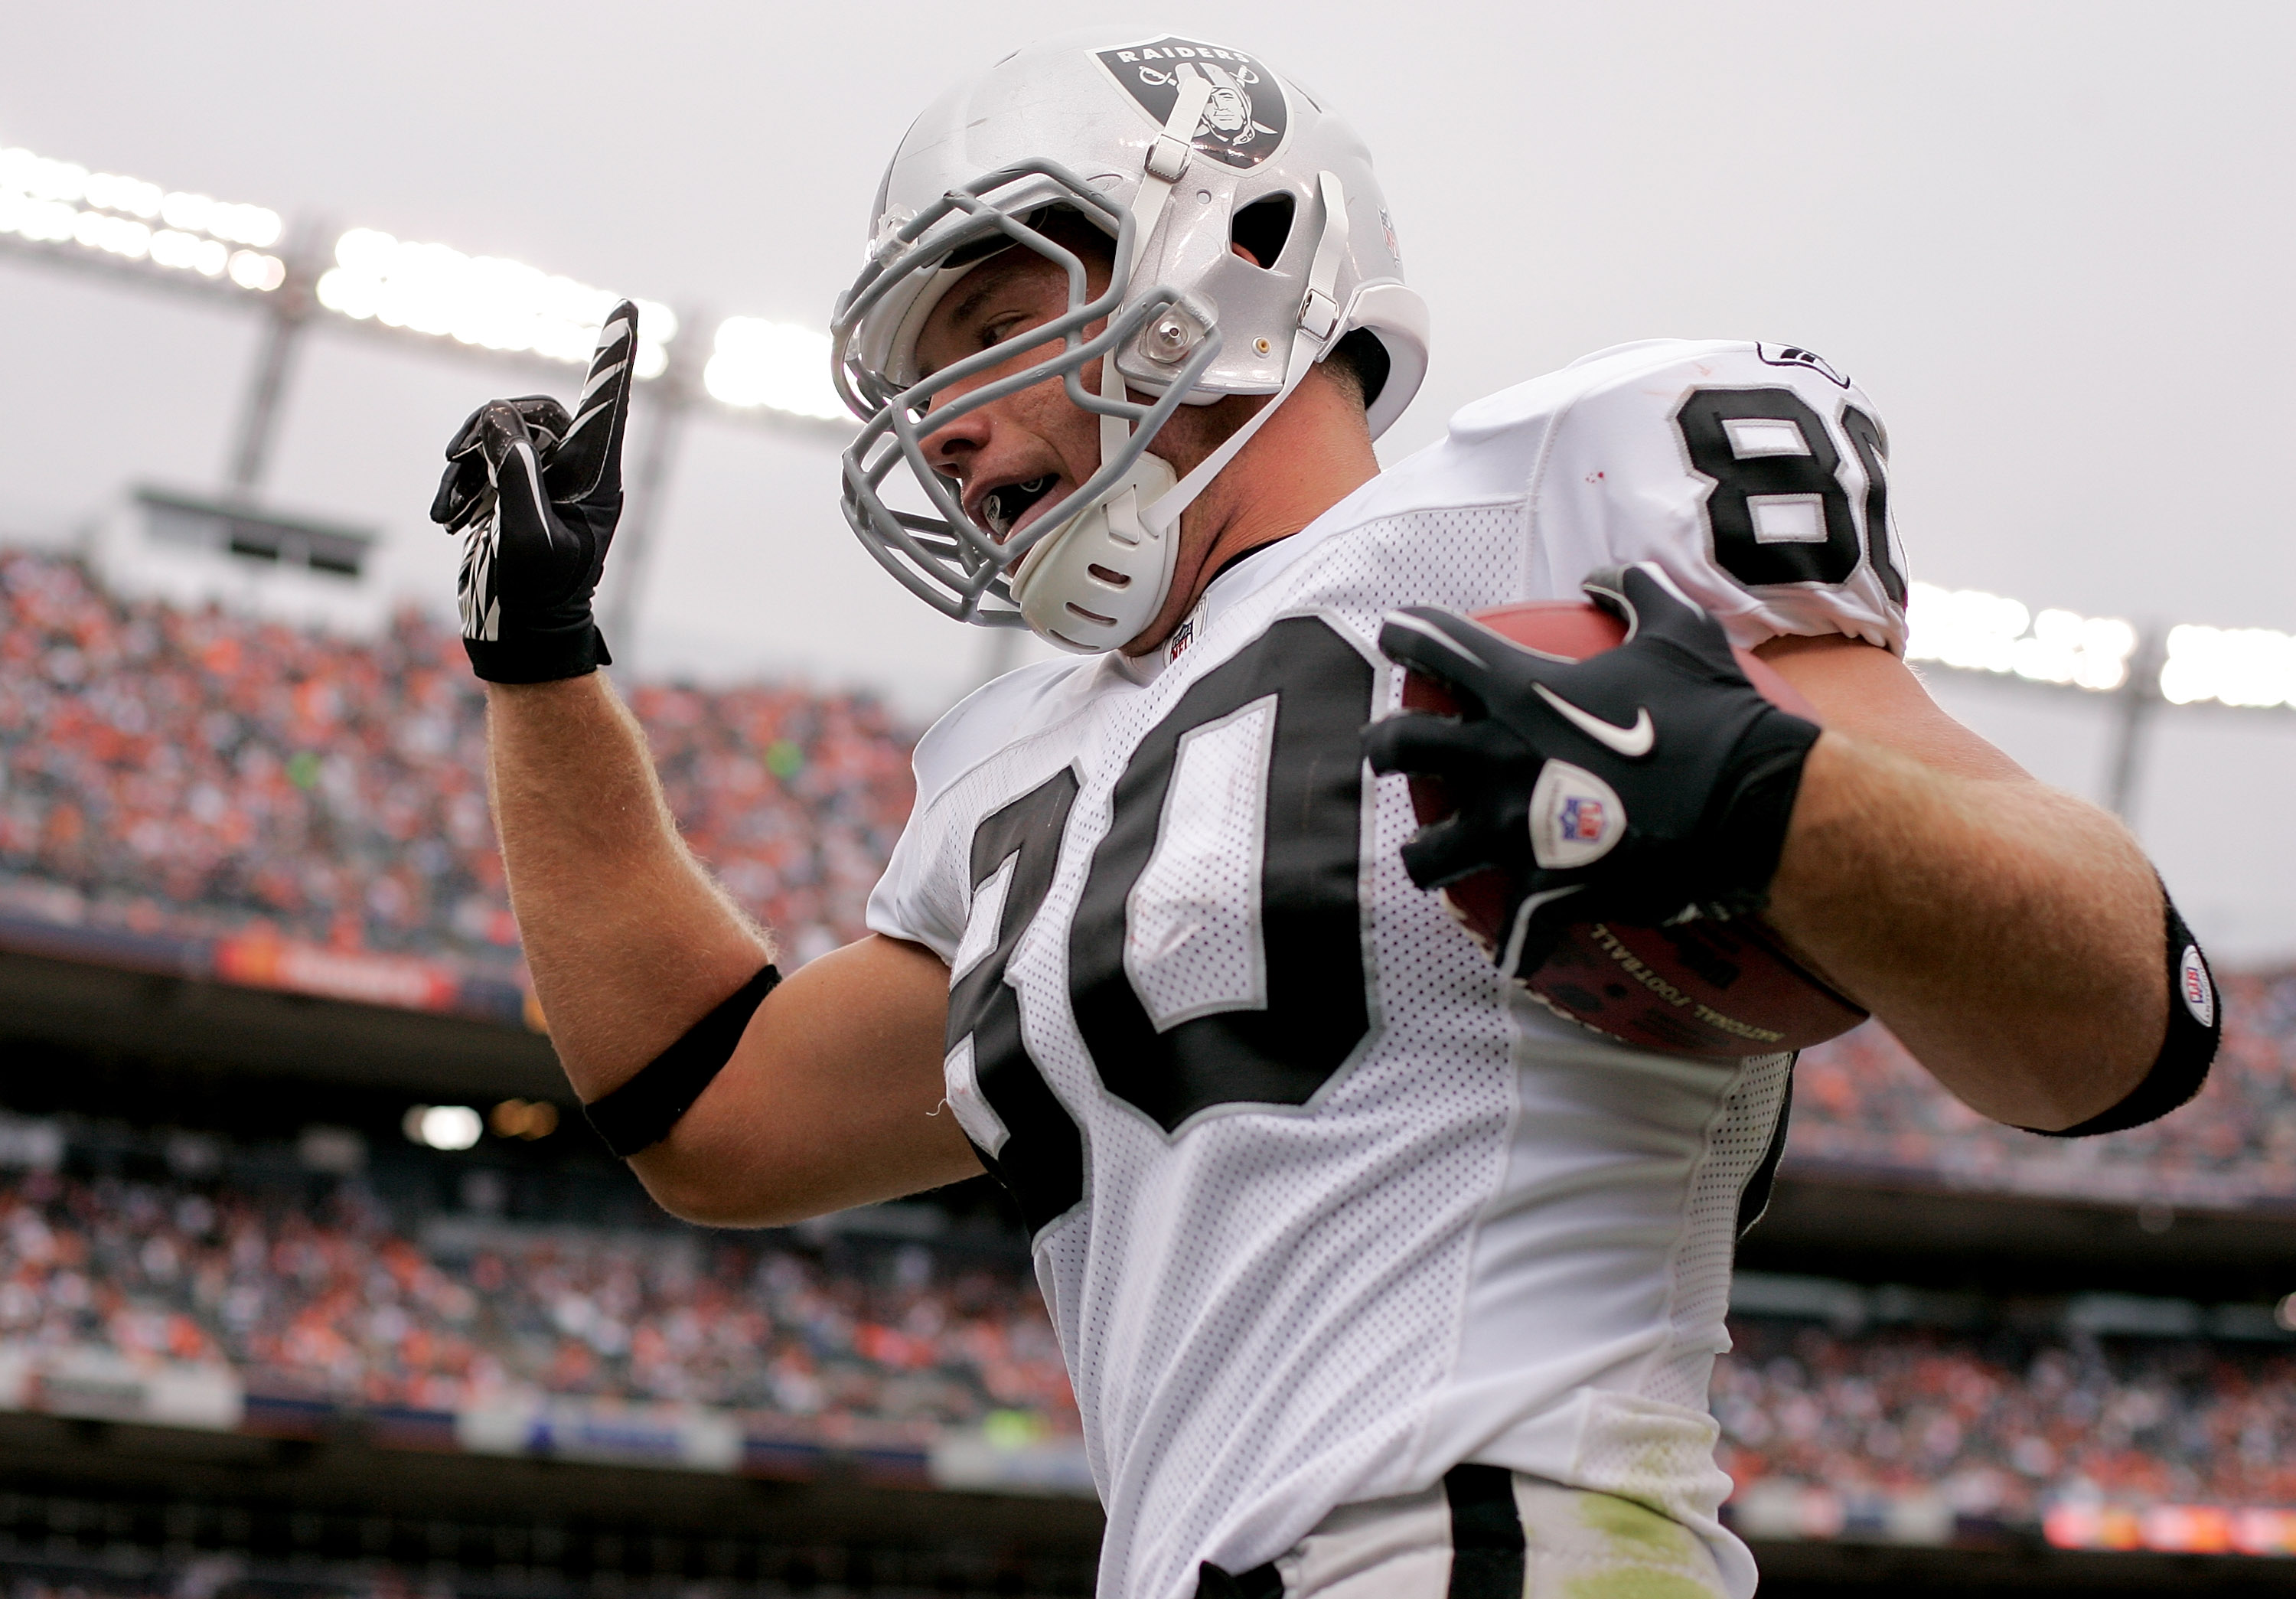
(535, 493)
(1647, 783)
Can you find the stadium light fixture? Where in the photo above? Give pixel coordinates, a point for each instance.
(1982, 632)
(404, 284)
(442, 1127)
(51, 201)
(2233, 665)
(524, 1118)
(758, 365)
(779, 364)
(482, 300)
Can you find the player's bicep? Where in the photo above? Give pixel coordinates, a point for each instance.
(1870, 695)
(832, 1099)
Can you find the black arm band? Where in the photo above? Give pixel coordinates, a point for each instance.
(2195, 1024)
(640, 1113)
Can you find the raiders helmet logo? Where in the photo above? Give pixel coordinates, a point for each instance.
(1243, 121)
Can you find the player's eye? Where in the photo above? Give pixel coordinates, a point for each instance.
(999, 329)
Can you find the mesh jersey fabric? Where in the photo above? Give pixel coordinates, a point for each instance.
(1320, 1208)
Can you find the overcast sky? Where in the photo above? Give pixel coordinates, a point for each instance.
(2052, 242)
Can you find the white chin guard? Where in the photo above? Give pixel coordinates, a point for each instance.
(1096, 582)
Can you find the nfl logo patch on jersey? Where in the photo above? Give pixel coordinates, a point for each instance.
(1183, 636)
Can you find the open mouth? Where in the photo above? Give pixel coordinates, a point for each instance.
(1002, 507)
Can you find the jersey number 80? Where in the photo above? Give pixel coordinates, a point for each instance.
(1277, 1018)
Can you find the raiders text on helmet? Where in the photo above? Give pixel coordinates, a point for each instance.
(1175, 149)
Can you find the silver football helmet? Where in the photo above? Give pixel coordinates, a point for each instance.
(1175, 149)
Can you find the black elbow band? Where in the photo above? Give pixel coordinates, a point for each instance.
(2195, 1024)
(640, 1113)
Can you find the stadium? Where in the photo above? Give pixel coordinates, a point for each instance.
(314, 1281)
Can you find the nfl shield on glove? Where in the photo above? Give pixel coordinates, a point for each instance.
(1647, 783)
(535, 493)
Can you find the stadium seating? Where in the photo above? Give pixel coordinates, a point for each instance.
(1914, 1431)
(1863, 1109)
(338, 1305)
(441, 1327)
(195, 773)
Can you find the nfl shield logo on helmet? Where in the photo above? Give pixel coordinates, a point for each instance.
(1576, 818)
(1244, 120)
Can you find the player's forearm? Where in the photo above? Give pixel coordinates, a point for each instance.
(2009, 934)
(628, 940)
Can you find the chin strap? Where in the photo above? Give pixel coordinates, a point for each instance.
(1312, 338)
(1118, 553)
(1070, 563)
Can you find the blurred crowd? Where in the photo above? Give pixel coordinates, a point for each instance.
(166, 770)
(336, 1303)
(2001, 1427)
(1861, 1102)
(192, 771)
(333, 1302)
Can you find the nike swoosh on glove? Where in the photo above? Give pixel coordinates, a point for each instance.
(1649, 784)
(535, 492)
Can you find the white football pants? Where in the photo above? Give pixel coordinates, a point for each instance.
(1485, 1532)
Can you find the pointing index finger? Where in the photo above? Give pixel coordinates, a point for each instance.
(587, 462)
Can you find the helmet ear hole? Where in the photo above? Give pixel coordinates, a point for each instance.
(1262, 228)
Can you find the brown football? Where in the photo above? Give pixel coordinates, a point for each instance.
(1713, 989)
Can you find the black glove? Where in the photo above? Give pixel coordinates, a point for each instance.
(1648, 783)
(535, 494)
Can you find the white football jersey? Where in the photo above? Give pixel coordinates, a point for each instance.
(1320, 1208)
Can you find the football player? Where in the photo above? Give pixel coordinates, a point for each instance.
(1373, 1277)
